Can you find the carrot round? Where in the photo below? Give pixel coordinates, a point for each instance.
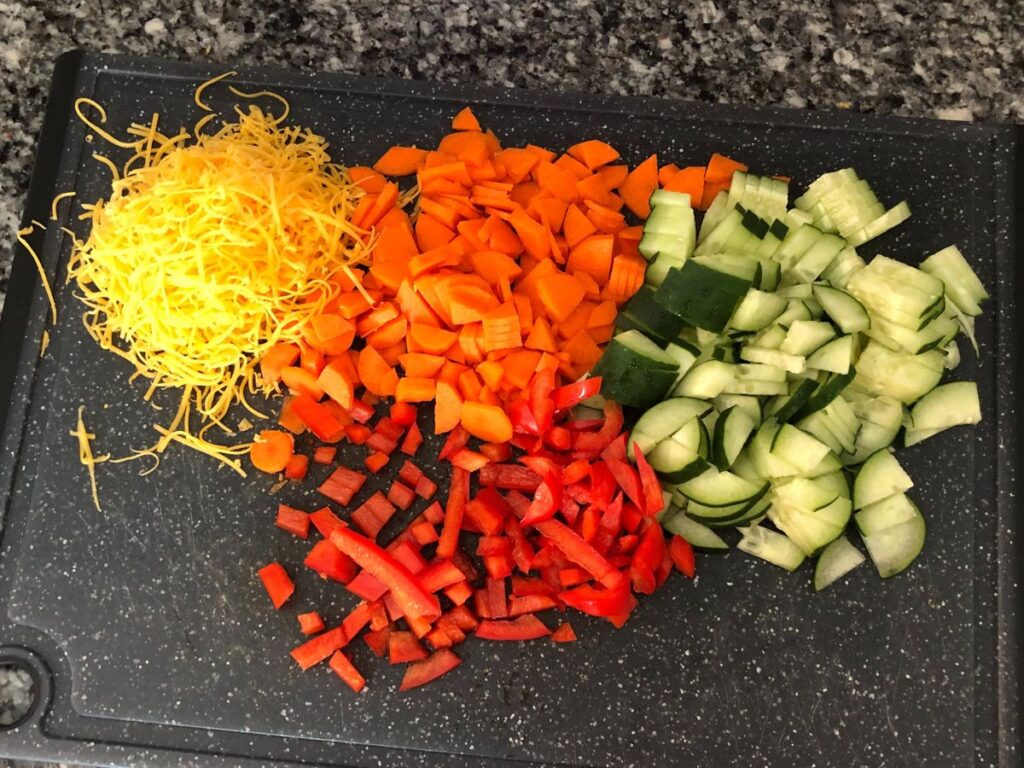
(487, 422)
(272, 450)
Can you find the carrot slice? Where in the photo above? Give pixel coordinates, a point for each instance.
(431, 339)
(491, 372)
(541, 338)
(603, 314)
(557, 181)
(368, 179)
(560, 294)
(626, 277)
(494, 266)
(420, 365)
(487, 422)
(520, 367)
(593, 187)
(377, 376)
(396, 242)
(501, 328)
(447, 407)
(431, 233)
(690, 181)
(336, 382)
(518, 163)
(465, 121)
(276, 359)
(594, 153)
(593, 256)
(301, 381)
(576, 226)
(272, 450)
(533, 235)
(414, 390)
(400, 161)
(614, 175)
(721, 168)
(666, 172)
(636, 190)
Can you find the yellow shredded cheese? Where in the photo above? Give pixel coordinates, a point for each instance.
(85, 455)
(44, 344)
(21, 235)
(211, 249)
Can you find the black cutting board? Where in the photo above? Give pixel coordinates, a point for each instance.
(153, 643)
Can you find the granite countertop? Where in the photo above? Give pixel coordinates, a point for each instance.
(959, 60)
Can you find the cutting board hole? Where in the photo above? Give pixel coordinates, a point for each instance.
(18, 693)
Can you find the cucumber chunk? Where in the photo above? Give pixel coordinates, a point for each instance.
(701, 538)
(772, 547)
(702, 296)
(879, 477)
(893, 549)
(835, 561)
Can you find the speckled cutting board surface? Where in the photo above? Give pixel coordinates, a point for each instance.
(150, 638)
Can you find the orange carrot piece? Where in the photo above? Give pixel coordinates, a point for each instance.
(336, 384)
(603, 314)
(593, 188)
(491, 372)
(487, 422)
(593, 256)
(602, 334)
(450, 373)
(666, 172)
(518, 163)
(395, 243)
(377, 376)
(549, 210)
(577, 320)
(431, 339)
(420, 365)
(468, 146)
(367, 179)
(447, 407)
(400, 161)
(502, 238)
(636, 190)
(388, 335)
(583, 351)
(711, 190)
(392, 354)
(494, 266)
(614, 175)
(721, 168)
(441, 187)
(390, 274)
(272, 450)
(524, 308)
(330, 333)
(524, 192)
(470, 302)
(605, 219)
(452, 170)
(276, 359)
(557, 181)
(689, 180)
(413, 306)
(465, 121)
(544, 154)
(301, 381)
(441, 211)
(571, 165)
(287, 418)
(469, 342)
(533, 235)
(381, 315)
(519, 367)
(591, 289)
(560, 294)
(352, 304)
(626, 277)
(470, 385)
(431, 233)
(576, 226)
(501, 328)
(446, 255)
(414, 390)
(594, 153)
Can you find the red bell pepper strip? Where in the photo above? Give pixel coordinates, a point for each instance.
(458, 593)
(366, 586)
(330, 562)
(344, 669)
(325, 454)
(463, 618)
(577, 550)
(357, 434)
(602, 485)
(574, 394)
(360, 411)
(440, 574)
(401, 495)
(496, 452)
(509, 477)
(342, 485)
(422, 672)
(522, 551)
(526, 627)
(598, 602)
(425, 488)
(403, 647)
(412, 441)
(559, 438)
(325, 521)
(295, 521)
(407, 590)
(522, 586)
(628, 479)
(357, 618)
(490, 546)
(547, 500)
(517, 606)
(486, 512)
(453, 512)
(564, 633)
(310, 623)
(647, 557)
(496, 599)
(541, 403)
(522, 418)
(541, 463)
(377, 640)
(318, 418)
(575, 471)
(403, 414)
(595, 442)
(616, 449)
(654, 501)
(277, 582)
(457, 439)
(683, 557)
(297, 467)
(312, 652)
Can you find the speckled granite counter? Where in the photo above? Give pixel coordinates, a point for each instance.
(956, 60)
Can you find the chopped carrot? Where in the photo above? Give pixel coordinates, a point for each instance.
(636, 190)
(377, 376)
(492, 266)
(557, 181)
(470, 385)
(626, 277)
(721, 168)
(336, 383)
(465, 121)
(431, 233)
(414, 390)
(560, 294)
(500, 328)
(533, 234)
(593, 256)
(400, 161)
(593, 153)
(576, 226)
(491, 372)
(690, 181)
(421, 365)
(614, 175)
(603, 314)
(368, 179)
(272, 450)
(447, 407)
(541, 337)
(518, 163)
(487, 422)
(431, 339)
(301, 382)
(276, 359)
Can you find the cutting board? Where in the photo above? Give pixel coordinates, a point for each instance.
(152, 643)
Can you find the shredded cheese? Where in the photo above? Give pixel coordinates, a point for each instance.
(211, 249)
(21, 235)
(85, 455)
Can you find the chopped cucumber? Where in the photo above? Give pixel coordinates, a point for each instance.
(879, 477)
(893, 549)
(702, 296)
(701, 538)
(835, 561)
(772, 547)
(635, 371)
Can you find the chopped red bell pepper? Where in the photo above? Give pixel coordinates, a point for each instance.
(403, 647)
(523, 586)
(542, 405)
(378, 615)
(325, 521)
(567, 396)
(361, 411)
(576, 549)
(434, 514)
(422, 672)
(591, 524)
(425, 488)
(367, 586)
(631, 516)
(602, 485)
(647, 557)
(409, 473)
(325, 454)
(596, 601)
(330, 562)
(682, 555)
(627, 543)
(409, 593)
(295, 521)
(277, 582)
(373, 514)
(412, 441)
(488, 546)
(564, 633)
(654, 501)
(519, 605)
(496, 452)
(543, 464)
(389, 428)
(297, 467)
(344, 669)
(526, 627)
(320, 420)
(403, 414)
(522, 551)
(559, 438)
(319, 648)
(377, 640)
(342, 484)
(440, 574)
(616, 449)
(471, 461)
(454, 509)
(458, 593)
(595, 442)
(376, 461)
(310, 623)
(575, 471)
(456, 439)
(497, 602)
(439, 638)
(402, 496)
(381, 443)
(357, 618)
(463, 618)
(357, 434)
(498, 566)
(486, 512)
(522, 418)
(423, 532)
(547, 500)
(628, 479)
(572, 577)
